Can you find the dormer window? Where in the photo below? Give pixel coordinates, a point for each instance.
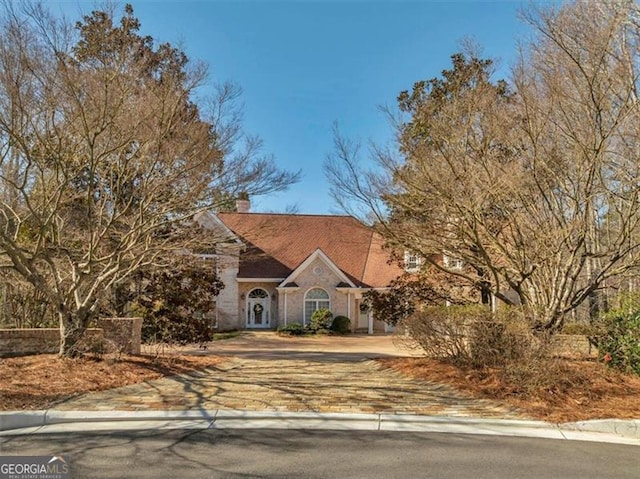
(452, 263)
(412, 262)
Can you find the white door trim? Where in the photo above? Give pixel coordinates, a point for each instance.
(258, 311)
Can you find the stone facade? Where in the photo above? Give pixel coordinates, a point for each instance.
(286, 304)
(317, 275)
(227, 314)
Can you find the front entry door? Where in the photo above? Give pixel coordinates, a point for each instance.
(258, 309)
(363, 317)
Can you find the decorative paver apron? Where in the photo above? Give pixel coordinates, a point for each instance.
(362, 386)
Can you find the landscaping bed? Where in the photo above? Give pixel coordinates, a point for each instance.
(41, 381)
(572, 390)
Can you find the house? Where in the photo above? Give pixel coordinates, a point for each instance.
(280, 268)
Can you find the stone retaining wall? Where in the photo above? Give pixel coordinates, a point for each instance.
(114, 334)
(572, 345)
(22, 342)
(124, 333)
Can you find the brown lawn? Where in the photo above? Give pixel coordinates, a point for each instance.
(572, 391)
(39, 382)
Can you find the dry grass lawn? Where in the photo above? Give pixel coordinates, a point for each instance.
(39, 382)
(571, 391)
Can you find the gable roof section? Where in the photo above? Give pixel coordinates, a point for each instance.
(318, 254)
(212, 222)
(277, 244)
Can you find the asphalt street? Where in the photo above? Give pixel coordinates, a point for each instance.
(269, 453)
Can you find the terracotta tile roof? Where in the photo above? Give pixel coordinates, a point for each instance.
(278, 243)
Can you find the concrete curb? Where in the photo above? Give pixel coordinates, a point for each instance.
(15, 420)
(50, 421)
(621, 427)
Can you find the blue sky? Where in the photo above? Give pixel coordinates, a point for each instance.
(304, 65)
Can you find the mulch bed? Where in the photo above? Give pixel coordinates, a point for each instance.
(40, 381)
(580, 390)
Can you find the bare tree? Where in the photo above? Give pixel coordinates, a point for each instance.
(105, 157)
(532, 183)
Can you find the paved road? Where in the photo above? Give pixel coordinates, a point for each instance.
(326, 454)
(266, 372)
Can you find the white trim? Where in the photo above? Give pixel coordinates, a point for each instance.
(349, 289)
(259, 280)
(318, 253)
(417, 262)
(358, 292)
(285, 308)
(454, 264)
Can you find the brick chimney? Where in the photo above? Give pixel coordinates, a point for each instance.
(243, 204)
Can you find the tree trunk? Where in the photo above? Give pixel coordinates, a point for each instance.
(551, 322)
(72, 329)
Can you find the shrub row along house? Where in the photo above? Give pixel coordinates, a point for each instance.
(279, 268)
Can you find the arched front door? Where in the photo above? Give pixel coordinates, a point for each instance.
(258, 309)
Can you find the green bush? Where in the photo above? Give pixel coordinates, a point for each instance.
(320, 320)
(341, 325)
(617, 337)
(291, 329)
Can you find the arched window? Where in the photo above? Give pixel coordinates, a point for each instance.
(258, 293)
(316, 298)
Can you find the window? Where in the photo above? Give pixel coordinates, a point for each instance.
(412, 262)
(315, 299)
(452, 263)
(258, 294)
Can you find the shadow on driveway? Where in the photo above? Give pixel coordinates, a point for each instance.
(324, 348)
